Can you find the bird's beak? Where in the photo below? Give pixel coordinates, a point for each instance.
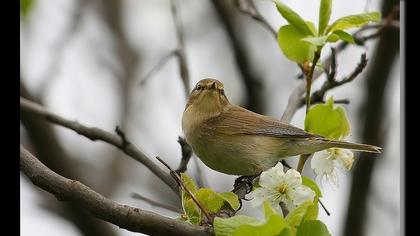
(213, 86)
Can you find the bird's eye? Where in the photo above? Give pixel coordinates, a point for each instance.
(222, 91)
(198, 87)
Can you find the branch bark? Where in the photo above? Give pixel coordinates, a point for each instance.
(47, 146)
(94, 134)
(129, 218)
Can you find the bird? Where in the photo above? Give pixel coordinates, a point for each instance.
(235, 141)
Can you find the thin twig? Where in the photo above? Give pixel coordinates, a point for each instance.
(59, 48)
(301, 163)
(120, 133)
(332, 69)
(181, 54)
(284, 209)
(248, 7)
(331, 83)
(155, 203)
(182, 185)
(387, 22)
(126, 217)
(309, 77)
(295, 98)
(94, 134)
(325, 209)
(158, 66)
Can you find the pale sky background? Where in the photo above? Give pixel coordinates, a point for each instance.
(84, 90)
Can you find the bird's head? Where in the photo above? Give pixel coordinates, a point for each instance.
(208, 96)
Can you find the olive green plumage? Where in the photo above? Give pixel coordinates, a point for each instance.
(236, 141)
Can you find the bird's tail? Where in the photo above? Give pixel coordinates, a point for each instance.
(355, 146)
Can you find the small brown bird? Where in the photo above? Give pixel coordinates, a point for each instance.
(236, 141)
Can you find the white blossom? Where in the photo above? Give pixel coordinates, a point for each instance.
(277, 186)
(326, 163)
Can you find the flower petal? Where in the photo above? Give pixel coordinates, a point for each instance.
(322, 164)
(257, 197)
(301, 194)
(292, 178)
(272, 177)
(345, 159)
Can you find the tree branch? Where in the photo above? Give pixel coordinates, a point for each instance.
(179, 53)
(294, 102)
(182, 58)
(330, 83)
(129, 218)
(158, 66)
(247, 7)
(98, 134)
(47, 146)
(184, 188)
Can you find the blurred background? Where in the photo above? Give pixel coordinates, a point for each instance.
(85, 60)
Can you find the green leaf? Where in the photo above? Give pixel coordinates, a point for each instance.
(312, 211)
(227, 226)
(293, 18)
(273, 226)
(289, 39)
(26, 6)
(211, 200)
(333, 38)
(311, 26)
(189, 183)
(317, 41)
(343, 35)
(192, 212)
(231, 198)
(297, 216)
(311, 184)
(324, 15)
(312, 228)
(325, 120)
(354, 21)
(268, 210)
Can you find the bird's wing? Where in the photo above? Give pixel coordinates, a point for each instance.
(237, 120)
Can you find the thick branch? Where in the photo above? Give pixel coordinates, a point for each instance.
(129, 218)
(46, 145)
(99, 134)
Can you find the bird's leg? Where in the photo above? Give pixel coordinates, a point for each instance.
(244, 182)
(243, 185)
